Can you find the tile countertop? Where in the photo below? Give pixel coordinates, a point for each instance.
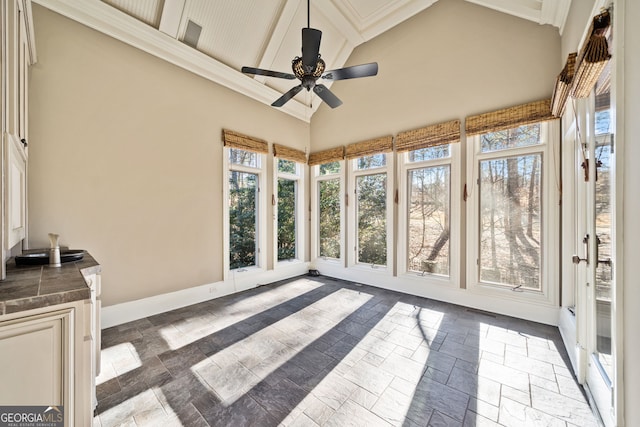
(36, 286)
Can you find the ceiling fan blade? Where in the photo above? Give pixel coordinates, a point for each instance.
(287, 96)
(364, 70)
(310, 48)
(269, 73)
(327, 96)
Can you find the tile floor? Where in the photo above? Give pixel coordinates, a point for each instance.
(324, 352)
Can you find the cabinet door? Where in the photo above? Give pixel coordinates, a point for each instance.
(16, 192)
(34, 360)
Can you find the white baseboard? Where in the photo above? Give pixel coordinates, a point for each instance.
(129, 311)
(542, 313)
(133, 310)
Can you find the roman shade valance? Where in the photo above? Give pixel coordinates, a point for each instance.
(428, 136)
(326, 156)
(370, 147)
(594, 57)
(563, 86)
(233, 139)
(288, 153)
(507, 118)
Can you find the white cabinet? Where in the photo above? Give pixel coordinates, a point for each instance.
(46, 360)
(35, 350)
(17, 54)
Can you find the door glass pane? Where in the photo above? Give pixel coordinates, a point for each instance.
(286, 219)
(243, 196)
(604, 232)
(372, 218)
(329, 218)
(429, 220)
(510, 225)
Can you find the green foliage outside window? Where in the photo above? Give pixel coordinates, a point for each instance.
(286, 219)
(243, 198)
(329, 218)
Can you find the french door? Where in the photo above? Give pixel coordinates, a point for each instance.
(596, 263)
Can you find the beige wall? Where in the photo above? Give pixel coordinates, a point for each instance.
(451, 60)
(125, 158)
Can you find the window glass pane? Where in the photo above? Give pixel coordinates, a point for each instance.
(523, 136)
(330, 168)
(429, 220)
(510, 226)
(329, 221)
(286, 219)
(242, 219)
(287, 166)
(429, 153)
(242, 157)
(369, 162)
(372, 218)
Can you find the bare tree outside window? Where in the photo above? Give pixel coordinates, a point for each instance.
(510, 210)
(429, 220)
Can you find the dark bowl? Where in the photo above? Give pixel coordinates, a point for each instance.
(42, 257)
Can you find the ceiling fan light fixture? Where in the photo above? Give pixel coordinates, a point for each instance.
(299, 71)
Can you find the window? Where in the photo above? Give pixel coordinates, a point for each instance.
(510, 202)
(428, 211)
(370, 211)
(288, 223)
(328, 202)
(511, 231)
(245, 175)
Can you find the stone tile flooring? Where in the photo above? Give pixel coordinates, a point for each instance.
(324, 352)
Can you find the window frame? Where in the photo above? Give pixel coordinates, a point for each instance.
(550, 196)
(455, 216)
(352, 237)
(298, 177)
(316, 260)
(261, 217)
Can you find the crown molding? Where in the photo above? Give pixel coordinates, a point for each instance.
(109, 21)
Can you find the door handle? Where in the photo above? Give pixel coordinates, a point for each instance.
(606, 261)
(576, 259)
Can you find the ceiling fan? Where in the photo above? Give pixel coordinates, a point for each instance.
(310, 67)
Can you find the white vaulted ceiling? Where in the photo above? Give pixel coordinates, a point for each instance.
(265, 33)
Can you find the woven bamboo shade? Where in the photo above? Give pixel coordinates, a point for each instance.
(370, 147)
(287, 153)
(233, 139)
(520, 115)
(429, 136)
(326, 156)
(593, 58)
(563, 86)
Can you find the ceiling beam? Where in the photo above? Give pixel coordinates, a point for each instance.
(285, 20)
(171, 16)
